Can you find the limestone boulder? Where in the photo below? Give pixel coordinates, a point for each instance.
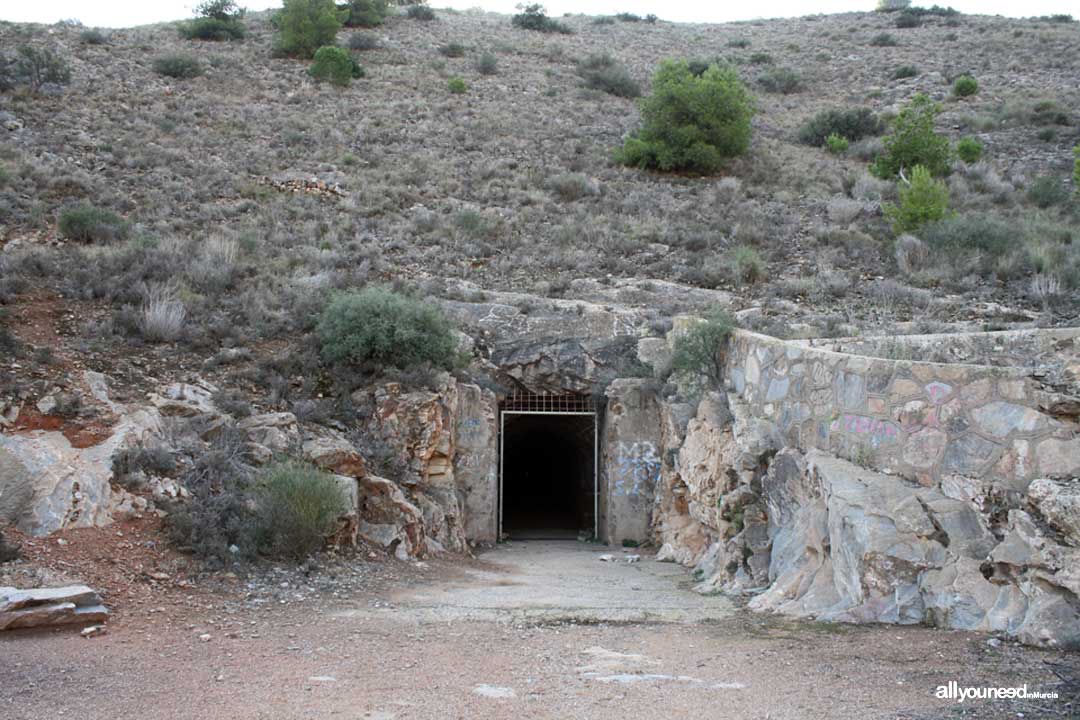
(1059, 502)
(388, 519)
(332, 451)
(270, 434)
(42, 607)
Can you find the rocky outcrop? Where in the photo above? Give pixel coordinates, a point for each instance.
(44, 607)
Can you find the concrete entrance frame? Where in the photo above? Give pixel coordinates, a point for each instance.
(549, 405)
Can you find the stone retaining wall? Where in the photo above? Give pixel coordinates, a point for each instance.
(932, 422)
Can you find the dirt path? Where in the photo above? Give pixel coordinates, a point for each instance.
(534, 630)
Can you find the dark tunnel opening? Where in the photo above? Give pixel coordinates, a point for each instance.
(548, 476)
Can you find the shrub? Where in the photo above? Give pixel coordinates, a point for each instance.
(914, 142)
(304, 26)
(366, 13)
(912, 254)
(572, 186)
(1047, 191)
(747, 266)
(457, 86)
(335, 65)
(700, 349)
(1076, 170)
(487, 64)
(905, 71)
(181, 67)
(163, 314)
(965, 86)
(963, 234)
(363, 41)
(297, 508)
(780, 80)
(691, 123)
(216, 20)
(923, 199)
(969, 149)
(381, 327)
(420, 12)
(837, 144)
(888, 6)
(93, 37)
(739, 43)
(453, 50)
(883, 40)
(36, 67)
(86, 223)
(908, 19)
(761, 58)
(854, 124)
(602, 72)
(534, 17)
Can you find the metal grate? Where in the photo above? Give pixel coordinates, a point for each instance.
(520, 402)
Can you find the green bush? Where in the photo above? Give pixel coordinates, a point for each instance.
(335, 65)
(969, 149)
(420, 12)
(691, 123)
(181, 67)
(883, 40)
(965, 86)
(837, 144)
(854, 124)
(602, 72)
(914, 142)
(780, 80)
(86, 223)
(905, 71)
(365, 13)
(700, 349)
(297, 506)
(965, 234)
(457, 86)
(923, 199)
(216, 20)
(888, 6)
(377, 327)
(747, 265)
(487, 64)
(761, 58)
(1047, 191)
(908, 19)
(304, 26)
(534, 17)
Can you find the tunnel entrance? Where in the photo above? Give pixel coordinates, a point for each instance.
(547, 465)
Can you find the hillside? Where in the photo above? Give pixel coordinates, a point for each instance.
(511, 185)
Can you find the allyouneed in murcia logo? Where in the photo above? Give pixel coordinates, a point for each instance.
(959, 693)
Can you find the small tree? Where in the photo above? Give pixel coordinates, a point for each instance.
(215, 20)
(965, 86)
(969, 149)
(534, 17)
(366, 13)
(304, 26)
(923, 199)
(914, 142)
(700, 350)
(39, 66)
(690, 122)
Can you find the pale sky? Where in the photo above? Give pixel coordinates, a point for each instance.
(125, 13)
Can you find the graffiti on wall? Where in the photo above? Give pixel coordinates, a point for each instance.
(636, 468)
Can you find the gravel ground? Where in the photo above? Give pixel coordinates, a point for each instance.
(532, 630)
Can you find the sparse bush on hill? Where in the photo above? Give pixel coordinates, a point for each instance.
(453, 50)
(378, 327)
(336, 66)
(700, 349)
(363, 41)
(457, 85)
(837, 144)
(180, 67)
(966, 234)
(297, 507)
(86, 223)
(33, 67)
(914, 142)
(365, 13)
(905, 71)
(888, 6)
(1047, 191)
(487, 64)
(965, 86)
(93, 37)
(883, 40)
(747, 267)
(908, 19)
(922, 199)
(216, 20)
(420, 12)
(780, 80)
(602, 72)
(969, 149)
(761, 58)
(691, 123)
(534, 17)
(853, 124)
(1076, 170)
(304, 26)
